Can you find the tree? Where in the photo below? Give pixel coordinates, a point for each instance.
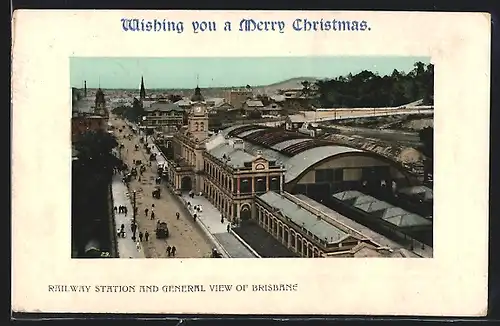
(95, 152)
(91, 178)
(368, 89)
(132, 113)
(174, 98)
(426, 136)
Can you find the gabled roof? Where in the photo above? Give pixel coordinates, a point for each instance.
(381, 209)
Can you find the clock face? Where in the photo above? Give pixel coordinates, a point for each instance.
(197, 109)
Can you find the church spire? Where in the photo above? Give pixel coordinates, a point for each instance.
(142, 93)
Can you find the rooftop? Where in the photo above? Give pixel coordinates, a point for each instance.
(83, 106)
(233, 156)
(385, 211)
(423, 192)
(197, 97)
(303, 218)
(365, 231)
(254, 103)
(297, 152)
(164, 107)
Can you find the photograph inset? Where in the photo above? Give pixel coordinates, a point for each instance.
(305, 157)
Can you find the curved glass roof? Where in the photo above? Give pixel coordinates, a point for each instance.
(248, 132)
(286, 143)
(235, 130)
(295, 151)
(299, 163)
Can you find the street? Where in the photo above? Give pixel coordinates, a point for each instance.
(183, 234)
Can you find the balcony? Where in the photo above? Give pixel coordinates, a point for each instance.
(181, 165)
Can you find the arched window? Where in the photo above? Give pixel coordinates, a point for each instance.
(196, 126)
(202, 126)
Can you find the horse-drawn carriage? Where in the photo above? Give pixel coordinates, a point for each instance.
(161, 230)
(156, 193)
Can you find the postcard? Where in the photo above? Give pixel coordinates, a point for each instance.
(298, 147)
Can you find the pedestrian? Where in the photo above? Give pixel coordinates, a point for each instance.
(229, 227)
(174, 250)
(168, 250)
(146, 236)
(146, 211)
(152, 215)
(194, 217)
(125, 209)
(177, 215)
(138, 246)
(152, 206)
(133, 228)
(115, 209)
(222, 219)
(140, 236)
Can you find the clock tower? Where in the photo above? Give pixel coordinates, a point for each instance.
(198, 117)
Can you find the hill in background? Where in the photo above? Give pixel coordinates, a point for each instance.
(292, 83)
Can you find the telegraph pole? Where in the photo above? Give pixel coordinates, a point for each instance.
(135, 224)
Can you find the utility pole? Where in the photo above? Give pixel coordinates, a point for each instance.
(135, 224)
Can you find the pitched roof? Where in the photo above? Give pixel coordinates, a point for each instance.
(254, 103)
(303, 218)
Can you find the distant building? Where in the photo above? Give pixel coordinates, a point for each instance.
(272, 109)
(162, 115)
(185, 103)
(237, 97)
(215, 101)
(294, 122)
(88, 115)
(252, 106)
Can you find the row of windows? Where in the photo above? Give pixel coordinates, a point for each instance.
(281, 231)
(163, 122)
(164, 114)
(287, 236)
(199, 126)
(351, 174)
(227, 181)
(221, 202)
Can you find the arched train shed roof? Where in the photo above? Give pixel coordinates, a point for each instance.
(296, 152)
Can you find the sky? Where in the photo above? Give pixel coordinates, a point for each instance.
(168, 73)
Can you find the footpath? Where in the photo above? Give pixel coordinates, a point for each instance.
(127, 248)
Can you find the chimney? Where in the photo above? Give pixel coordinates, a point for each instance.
(84, 88)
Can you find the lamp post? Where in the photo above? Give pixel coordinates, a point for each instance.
(145, 128)
(134, 229)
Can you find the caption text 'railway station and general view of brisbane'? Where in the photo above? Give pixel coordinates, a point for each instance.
(305, 157)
